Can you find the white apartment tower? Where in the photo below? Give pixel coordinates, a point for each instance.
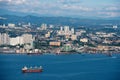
(11, 25)
(16, 40)
(61, 28)
(4, 39)
(72, 30)
(27, 38)
(44, 26)
(66, 29)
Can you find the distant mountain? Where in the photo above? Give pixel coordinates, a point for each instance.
(55, 20)
(8, 12)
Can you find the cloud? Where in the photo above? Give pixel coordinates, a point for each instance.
(109, 11)
(109, 14)
(69, 1)
(112, 8)
(75, 8)
(62, 7)
(12, 2)
(3, 18)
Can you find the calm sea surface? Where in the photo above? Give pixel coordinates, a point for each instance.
(61, 67)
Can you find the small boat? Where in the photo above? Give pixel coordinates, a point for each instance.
(30, 70)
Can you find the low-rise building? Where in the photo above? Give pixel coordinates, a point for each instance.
(101, 48)
(85, 40)
(47, 35)
(73, 37)
(55, 43)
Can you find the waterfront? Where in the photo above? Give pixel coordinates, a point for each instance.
(61, 67)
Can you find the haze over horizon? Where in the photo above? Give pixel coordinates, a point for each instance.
(85, 8)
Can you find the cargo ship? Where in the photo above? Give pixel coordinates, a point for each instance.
(32, 69)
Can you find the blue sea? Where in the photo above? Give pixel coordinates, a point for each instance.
(61, 67)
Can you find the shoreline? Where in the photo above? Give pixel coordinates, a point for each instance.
(62, 53)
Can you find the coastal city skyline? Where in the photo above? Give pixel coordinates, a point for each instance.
(50, 23)
(59, 39)
(56, 39)
(70, 8)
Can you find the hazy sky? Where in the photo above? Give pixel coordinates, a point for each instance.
(90, 8)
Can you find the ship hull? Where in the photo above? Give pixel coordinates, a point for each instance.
(32, 71)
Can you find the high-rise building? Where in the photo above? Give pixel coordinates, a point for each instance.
(29, 24)
(0, 38)
(61, 28)
(66, 29)
(27, 41)
(43, 26)
(27, 38)
(16, 40)
(4, 39)
(3, 25)
(115, 27)
(72, 30)
(11, 25)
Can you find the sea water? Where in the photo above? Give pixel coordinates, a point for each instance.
(61, 67)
